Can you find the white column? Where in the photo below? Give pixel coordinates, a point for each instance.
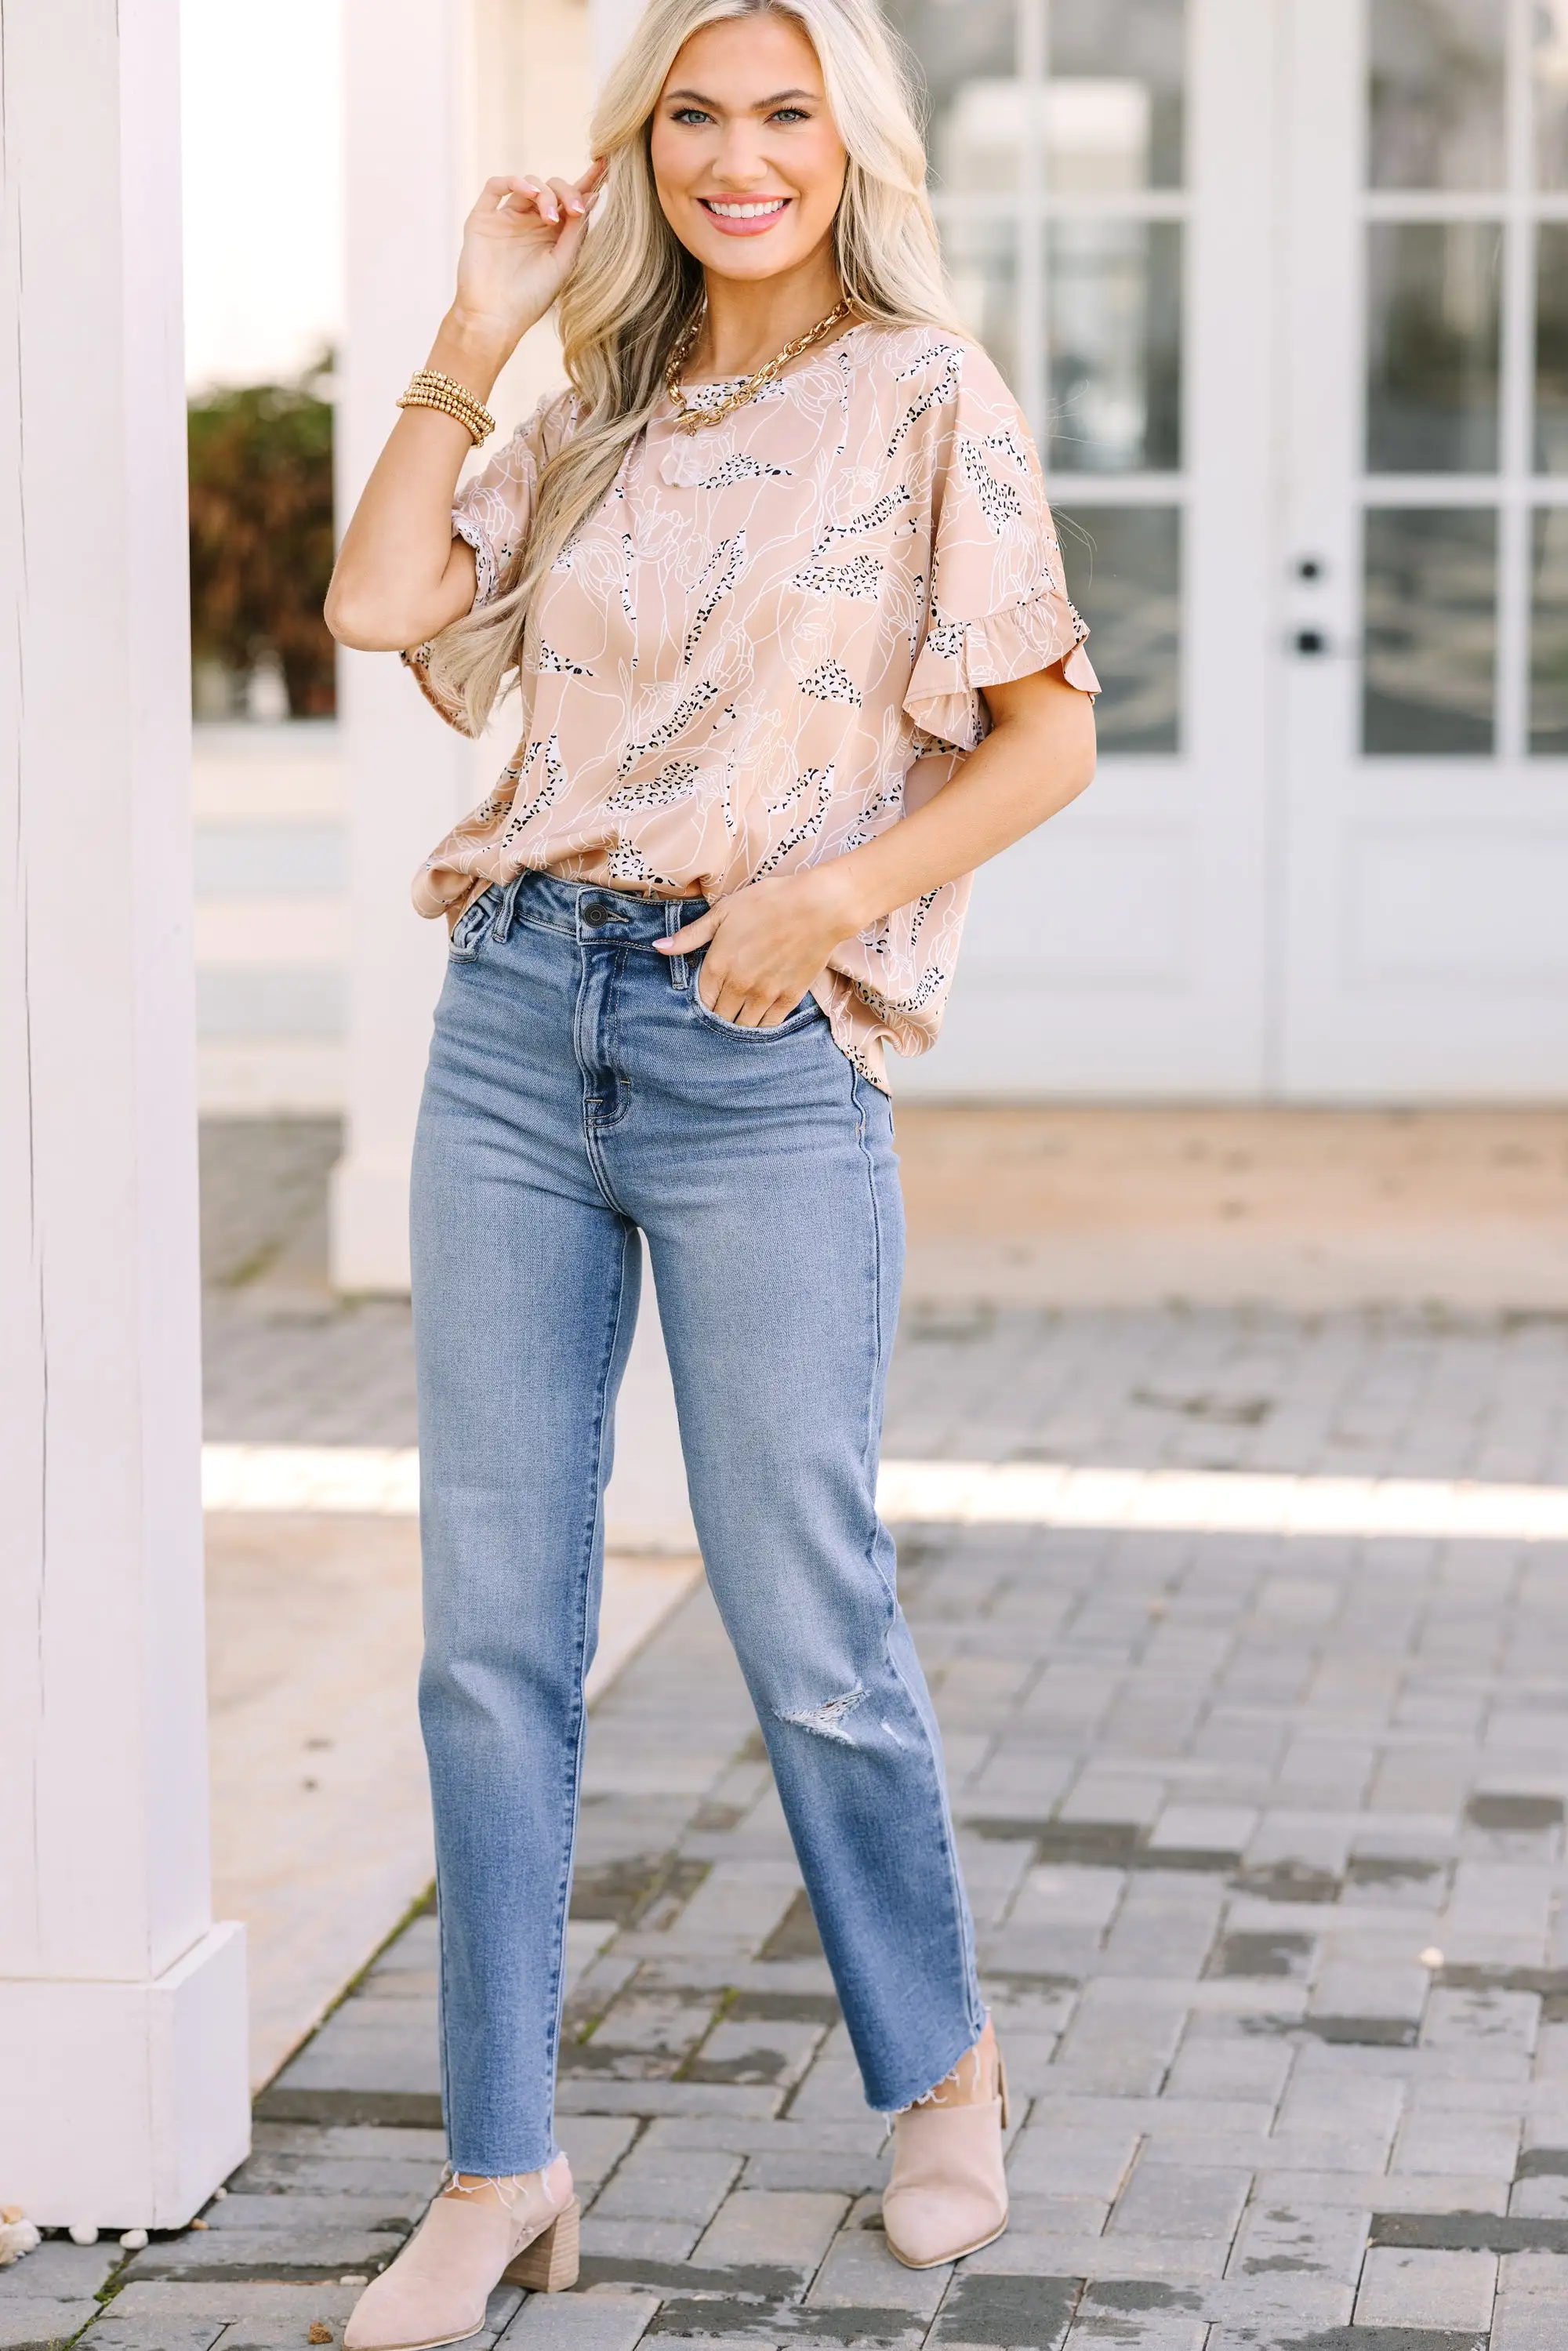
(122, 2013)
(439, 94)
(534, 95)
(407, 83)
(610, 29)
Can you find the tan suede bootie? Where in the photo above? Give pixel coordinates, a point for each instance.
(522, 2229)
(948, 2193)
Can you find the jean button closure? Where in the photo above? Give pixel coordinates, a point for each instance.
(596, 913)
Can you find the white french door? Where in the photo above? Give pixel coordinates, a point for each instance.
(1423, 943)
(1102, 172)
(1282, 286)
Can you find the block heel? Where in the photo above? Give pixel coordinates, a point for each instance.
(550, 2264)
(471, 2237)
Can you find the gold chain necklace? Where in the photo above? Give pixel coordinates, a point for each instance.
(692, 418)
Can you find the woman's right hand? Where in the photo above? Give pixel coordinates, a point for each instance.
(520, 245)
(401, 576)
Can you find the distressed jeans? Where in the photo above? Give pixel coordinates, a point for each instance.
(579, 1099)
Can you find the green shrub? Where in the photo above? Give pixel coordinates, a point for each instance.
(261, 537)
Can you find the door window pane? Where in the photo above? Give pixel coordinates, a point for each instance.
(1548, 638)
(1123, 572)
(982, 271)
(1433, 339)
(979, 114)
(1118, 71)
(1114, 300)
(1437, 96)
(1551, 93)
(1431, 631)
(1552, 348)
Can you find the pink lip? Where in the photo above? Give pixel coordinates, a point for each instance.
(759, 224)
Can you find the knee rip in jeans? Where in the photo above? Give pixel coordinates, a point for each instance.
(826, 1720)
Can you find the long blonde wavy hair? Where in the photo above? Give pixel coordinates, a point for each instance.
(636, 286)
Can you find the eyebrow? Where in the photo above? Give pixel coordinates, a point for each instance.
(695, 97)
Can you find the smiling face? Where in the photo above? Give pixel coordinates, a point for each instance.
(747, 158)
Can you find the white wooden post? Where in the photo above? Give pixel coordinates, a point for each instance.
(438, 95)
(610, 23)
(407, 83)
(533, 97)
(124, 2096)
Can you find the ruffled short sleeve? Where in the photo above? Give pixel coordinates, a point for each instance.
(491, 514)
(998, 605)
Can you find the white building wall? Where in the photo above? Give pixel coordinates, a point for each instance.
(272, 919)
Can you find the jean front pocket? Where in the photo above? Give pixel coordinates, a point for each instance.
(805, 1013)
(471, 924)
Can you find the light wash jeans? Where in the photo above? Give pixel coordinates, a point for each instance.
(579, 1093)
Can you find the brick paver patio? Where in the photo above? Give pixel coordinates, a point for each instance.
(1265, 1841)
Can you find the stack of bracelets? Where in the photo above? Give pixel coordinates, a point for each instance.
(428, 390)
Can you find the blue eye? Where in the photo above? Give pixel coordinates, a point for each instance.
(790, 114)
(690, 114)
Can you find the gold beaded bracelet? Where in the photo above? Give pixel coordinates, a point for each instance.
(428, 390)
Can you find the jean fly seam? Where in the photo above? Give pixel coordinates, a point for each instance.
(612, 1057)
(590, 1125)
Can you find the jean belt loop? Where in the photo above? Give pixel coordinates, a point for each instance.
(501, 928)
(675, 916)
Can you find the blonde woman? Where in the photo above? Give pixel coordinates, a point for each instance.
(778, 582)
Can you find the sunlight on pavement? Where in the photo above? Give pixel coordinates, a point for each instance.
(383, 1481)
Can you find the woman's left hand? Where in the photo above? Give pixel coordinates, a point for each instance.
(766, 943)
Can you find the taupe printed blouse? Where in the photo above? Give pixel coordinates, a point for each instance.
(744, 651)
